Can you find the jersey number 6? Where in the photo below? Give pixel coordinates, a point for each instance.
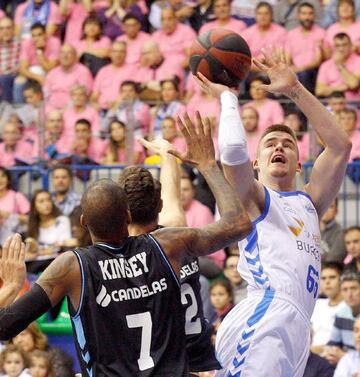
(312, 280)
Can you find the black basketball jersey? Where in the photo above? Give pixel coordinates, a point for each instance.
(128, 323)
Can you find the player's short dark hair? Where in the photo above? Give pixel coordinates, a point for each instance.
(350, 276)
(34, 86)
(264, 4)
(104, 207)
(143, 193)
(305, 4)
(342, 36)
(64, 167)
(130, 16)
(338, 267)
(38, 25)
(83, 121)
(351, 229)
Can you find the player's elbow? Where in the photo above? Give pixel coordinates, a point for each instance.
(241, 226)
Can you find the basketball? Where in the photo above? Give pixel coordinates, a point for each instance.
(222, 56)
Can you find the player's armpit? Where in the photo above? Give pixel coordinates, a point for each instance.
(62, 278)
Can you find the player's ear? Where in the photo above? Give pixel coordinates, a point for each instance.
(160, 205)
(256, 165)
(82, 221)
(299, 167)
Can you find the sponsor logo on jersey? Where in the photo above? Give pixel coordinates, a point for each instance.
(310, 208)
(296, 230)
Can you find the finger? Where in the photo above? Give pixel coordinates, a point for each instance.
(17, 246)
(267, 52)
(182, 157)
(5, 250)
(204, 79)
(207, 127)
(190, 126)
(204, 87)
(200, 124)
(183, 129)
(260, 65)
(282, 55)
(22, 253)
(145, 143)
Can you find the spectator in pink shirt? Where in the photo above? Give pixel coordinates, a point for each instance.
(45, 12)
(80, 109)
(13, 147)
(222, 12)
(197, 214)
(85, 146)
(270, 111)
(304, 46)
(75, 13)
(264, 32)
(174, 38)
(93, 48)
(130, 110)
(2, 14)
(61, 79)
(294, 121)
(109, 78)
(346, 24)
(341, 73)
(38, 56)
(170, 106)
(133, 37)
(170, 133)
(156, 67)
(347, 120)
(250, 118)
(118, 150)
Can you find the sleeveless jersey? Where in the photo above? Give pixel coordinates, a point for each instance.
(282, 253)
(130, 320)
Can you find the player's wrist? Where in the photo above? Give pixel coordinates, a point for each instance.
(294, 90)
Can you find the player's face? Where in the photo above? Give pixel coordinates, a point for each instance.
(219, 297)
(356, 334)
(38, 367)
(231, 271)
(352, 243)
(25, 341)
(330, 282)
(277, 155)
(350, 291)
(13, 364)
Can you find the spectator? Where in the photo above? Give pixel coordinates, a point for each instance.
(270, 111)
(48, 230)
(304, 46)
(119, 151)
(86, 147)
(264, 32)
(81, 235)
(238, 284)
(348, 120)
(14, 207)
(285, 12)
(294, 121)
(14, 362)
(156, 67)
(38, 56)
(170, 105)
(202, 13)
(109, 78)
(75, 13)
(336, 102)
(250, 118)
(61, 79)
(197, 214)
(128, 108)
(174, 38)
(133, 37)
(12, 148)
(222, 12)
(331, 12)
(332, 236)
(93, 48)
(349, 365)
(9, 58)
(112, 16)
(352, 245)
(80, 109)
(31, 12)
(40, 364)
(245, 10)
(323, 317)
(32, 339)
(63, 196)
(341, 339)
(170, 133)
(56, 142)
(346, 24)
(341, 73)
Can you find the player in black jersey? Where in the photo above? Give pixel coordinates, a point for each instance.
(123, 291)
(151, 203)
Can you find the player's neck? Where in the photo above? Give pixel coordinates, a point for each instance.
(116, 239)
(138, 229)
(284, 184)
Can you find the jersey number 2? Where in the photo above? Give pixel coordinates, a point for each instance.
(191, 326)
(312, 284)
(143, 320)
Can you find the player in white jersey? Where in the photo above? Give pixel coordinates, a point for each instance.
(268, 333)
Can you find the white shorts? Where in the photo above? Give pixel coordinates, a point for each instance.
(263, 336)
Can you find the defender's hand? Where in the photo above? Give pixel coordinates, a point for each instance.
(210, 87)
(157, 146)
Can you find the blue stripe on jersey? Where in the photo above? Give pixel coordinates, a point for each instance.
(165, 259)
(82, 284)
(80, 336)
(245, 341)
(266, 207)
(295, 193)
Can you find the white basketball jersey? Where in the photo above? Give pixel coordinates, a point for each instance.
(283, 251)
